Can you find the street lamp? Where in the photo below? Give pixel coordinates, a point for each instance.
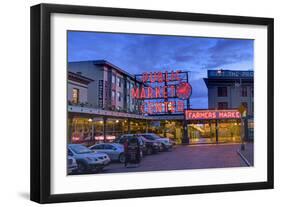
(91, 121)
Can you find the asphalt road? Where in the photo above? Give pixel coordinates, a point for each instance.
(186, 157)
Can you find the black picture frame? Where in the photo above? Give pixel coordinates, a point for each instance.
(41, 96)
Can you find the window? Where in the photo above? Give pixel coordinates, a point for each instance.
(119, 82)
(80, 149)
(113, 79)
(109, 147)
(113, 95)
(97, 147)
(222, 105)
(122, 140)
(69, 152)
(245, 104)
(244, 91)
(75, 95)
(222, 91)
(252, 91)
(119, 96)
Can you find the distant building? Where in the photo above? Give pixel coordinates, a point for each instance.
(77, 86)
(111, 87)
(230, 89)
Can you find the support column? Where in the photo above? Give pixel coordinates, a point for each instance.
(93, 130)
(146, 126)
(246, 133)
(165, 130)
(217, 132)
(185, 139)
(69, 128)
(104, 129)
(129, 126)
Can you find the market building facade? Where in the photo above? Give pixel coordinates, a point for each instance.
(118, 103)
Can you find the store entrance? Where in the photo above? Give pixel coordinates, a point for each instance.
(204, 131)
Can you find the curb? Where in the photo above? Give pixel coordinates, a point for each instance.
(243, 158)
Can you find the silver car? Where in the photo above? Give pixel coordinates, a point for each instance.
(86, 159)
(113, 150)
(72, 166)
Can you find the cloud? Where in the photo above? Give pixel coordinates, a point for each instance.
(140, 53)
(229, 51)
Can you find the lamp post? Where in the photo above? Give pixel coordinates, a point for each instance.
(92, 123)
(243, 112)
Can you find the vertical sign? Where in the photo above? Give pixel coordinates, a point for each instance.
(100, 94)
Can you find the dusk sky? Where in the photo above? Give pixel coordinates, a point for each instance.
(139, 53)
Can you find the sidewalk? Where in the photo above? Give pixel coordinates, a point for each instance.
(248, 153)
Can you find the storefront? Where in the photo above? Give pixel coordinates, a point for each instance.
(214, 126)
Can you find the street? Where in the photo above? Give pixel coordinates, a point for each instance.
(186, 157)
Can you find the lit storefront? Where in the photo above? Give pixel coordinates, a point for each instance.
(214, 126)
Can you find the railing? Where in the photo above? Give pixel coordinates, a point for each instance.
(230, 74)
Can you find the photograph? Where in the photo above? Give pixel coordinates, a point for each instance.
(149, 102)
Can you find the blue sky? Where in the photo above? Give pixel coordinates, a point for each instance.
(140, 53)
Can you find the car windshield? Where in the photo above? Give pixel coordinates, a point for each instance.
(149, 136)
(80, 149)
(155, 136)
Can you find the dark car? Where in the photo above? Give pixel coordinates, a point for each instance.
(123, 138)
(152, 147)
(165, 142)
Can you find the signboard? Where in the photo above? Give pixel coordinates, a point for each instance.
(162, 92)
(212, 114)
(100, 94)
(230, 74)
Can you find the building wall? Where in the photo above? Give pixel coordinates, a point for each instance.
(120, 89)
(103, 75)
(83, 91)
(88, 69)
(233, 98)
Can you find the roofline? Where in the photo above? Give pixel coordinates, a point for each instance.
(84, 78)
(105, 62)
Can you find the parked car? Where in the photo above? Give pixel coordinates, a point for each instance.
(165, 142)
(86, 159)
(113, 150)
(151, 146)
(72, 166)
(122, 139)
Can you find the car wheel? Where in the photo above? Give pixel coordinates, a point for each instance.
(81, 167)
(99, 169)
(164, 147)
(149, 151)
(122, 158)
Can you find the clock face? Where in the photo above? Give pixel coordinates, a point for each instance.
(184, 90)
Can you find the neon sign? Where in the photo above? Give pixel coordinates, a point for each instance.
(212, 114)
(162, 85)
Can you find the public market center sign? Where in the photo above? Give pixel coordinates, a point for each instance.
(162, 92)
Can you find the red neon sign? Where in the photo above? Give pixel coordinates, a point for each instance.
(160, 77)
(180, 90)
(175, 89)
(212, 114)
